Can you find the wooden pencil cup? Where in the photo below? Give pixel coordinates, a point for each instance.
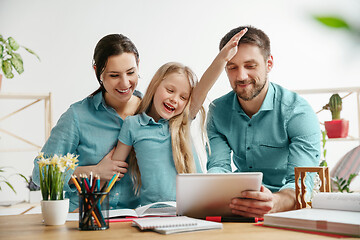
(300, 190)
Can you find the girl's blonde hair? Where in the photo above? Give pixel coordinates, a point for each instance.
(179, 125)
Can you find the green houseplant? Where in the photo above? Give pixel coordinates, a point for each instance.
(4, 179)
(52, 172)
(10, 59)
(337, 127)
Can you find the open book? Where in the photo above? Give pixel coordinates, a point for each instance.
(153, 209)
(331, 212)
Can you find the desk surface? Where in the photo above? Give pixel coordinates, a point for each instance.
(31, 227)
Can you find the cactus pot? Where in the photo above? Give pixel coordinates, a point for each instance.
(337, 128)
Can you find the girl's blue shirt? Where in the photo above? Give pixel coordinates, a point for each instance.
(89, 128)
(152, 144)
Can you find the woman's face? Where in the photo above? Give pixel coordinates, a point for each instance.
(120, 77)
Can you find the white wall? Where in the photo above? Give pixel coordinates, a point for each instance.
(64, 34)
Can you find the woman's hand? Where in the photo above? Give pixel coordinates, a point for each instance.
(107, 167)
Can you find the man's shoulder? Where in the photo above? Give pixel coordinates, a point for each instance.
(287, 97)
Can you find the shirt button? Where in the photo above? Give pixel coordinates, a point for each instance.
(249, 125)
(250, 166)
(248, 148)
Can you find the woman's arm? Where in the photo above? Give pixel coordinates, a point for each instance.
(213, 72)
(106, 168)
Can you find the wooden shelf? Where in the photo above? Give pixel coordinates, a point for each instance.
(47, 112)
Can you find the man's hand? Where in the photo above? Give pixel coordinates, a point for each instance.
(254, 203)
(258, 203)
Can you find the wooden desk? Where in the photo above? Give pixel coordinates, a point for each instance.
(31, 227)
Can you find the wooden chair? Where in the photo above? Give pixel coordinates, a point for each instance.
(300, 190)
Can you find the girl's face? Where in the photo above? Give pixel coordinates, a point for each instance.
(170, 97)
(120, 78)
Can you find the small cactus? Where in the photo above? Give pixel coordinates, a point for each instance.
(335, 106)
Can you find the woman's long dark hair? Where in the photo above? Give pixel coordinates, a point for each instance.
(111, 45)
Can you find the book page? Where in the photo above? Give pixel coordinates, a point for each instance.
(337, 201)
(157, 209)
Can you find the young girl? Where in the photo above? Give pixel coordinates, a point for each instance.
(160, 130)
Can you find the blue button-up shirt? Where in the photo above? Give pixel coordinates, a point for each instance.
(89, 128)
(283, 134)
(152, 144)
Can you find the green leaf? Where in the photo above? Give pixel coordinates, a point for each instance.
(1, 51)
(32, 52)
(10, 186)
(17, 62)
(13, 44)
(1, 38)
(332, 21)
(7, 69)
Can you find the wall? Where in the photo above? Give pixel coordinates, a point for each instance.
(64, 34)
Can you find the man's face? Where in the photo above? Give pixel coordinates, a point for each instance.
(247, 71)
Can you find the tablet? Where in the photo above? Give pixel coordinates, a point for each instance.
(202, 195)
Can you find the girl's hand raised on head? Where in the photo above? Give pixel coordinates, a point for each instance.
(231, 48)
(107, 167)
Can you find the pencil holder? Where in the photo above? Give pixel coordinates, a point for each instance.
(93, 211)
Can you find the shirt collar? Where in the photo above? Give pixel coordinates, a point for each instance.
(145, 119)
(268, 103)
(98, 99)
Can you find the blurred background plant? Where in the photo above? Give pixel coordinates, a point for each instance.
(338, 22)
(343, 184)
(31, 185)
(4, 179)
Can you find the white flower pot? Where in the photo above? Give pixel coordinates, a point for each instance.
(55, 212)
(35, 196)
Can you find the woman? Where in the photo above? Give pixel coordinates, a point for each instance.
(89, 128)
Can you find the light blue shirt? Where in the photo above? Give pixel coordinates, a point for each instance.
(152, 144)
(283, 134)
(89, 128)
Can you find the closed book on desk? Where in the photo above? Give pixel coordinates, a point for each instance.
(172, 225)
(331, 212)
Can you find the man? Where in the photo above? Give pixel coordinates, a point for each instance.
(265, 127)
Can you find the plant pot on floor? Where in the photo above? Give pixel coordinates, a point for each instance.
(55, 212)
(337, 128)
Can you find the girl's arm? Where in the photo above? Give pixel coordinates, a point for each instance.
(121, 152)
(213, 72)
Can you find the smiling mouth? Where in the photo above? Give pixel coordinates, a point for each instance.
(169, 108)
(123, 91)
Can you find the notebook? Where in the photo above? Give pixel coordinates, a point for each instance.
(203, 195)
(170, 225)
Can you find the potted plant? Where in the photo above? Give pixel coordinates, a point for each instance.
(10, 59)
(52, 172)
(34, 194)
(337, 128)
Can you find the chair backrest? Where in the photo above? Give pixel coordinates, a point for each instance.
(348, 164)
(300, 190)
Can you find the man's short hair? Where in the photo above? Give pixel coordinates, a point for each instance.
(253, 36)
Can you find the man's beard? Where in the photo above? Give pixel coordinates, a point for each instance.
(253, 93)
